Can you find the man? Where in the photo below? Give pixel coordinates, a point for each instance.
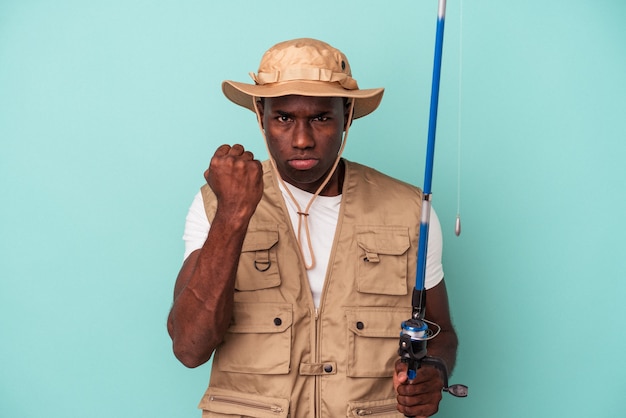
(299, 270)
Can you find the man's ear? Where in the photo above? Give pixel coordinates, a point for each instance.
(261, 109)
(346, 112)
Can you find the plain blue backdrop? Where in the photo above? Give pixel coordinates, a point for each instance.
(110, 112)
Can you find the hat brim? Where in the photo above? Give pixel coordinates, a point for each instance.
(365, 101)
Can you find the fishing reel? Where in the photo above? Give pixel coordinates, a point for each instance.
(413, 337)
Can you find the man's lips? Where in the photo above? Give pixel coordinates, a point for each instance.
(303, 164)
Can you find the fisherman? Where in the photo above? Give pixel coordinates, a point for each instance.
(298, 270)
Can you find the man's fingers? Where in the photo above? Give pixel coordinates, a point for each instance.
(236, 150)
(222, 150)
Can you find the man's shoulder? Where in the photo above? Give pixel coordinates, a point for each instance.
(375, 177)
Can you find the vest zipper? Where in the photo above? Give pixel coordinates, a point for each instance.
(316, 395)
(375, 410)
(247, 403)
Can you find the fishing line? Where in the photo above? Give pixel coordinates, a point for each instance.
(457, 224)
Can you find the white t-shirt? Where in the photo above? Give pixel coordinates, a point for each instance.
(322, 219)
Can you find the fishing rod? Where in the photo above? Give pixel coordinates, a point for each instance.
(415, 332)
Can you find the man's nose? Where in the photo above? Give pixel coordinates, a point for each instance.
(303, 135)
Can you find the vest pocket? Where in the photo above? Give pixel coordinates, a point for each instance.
(258, 340)
(382, 263)
(382, 408)
(258, 264)
(218, 402)
(373, 340)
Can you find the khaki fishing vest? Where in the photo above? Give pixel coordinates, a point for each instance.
(281, 357)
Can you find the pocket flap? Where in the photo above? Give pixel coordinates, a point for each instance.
(377, 322)
(261, 318)
(261, 237)
(390, 240)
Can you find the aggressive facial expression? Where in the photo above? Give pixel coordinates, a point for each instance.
(304, 137)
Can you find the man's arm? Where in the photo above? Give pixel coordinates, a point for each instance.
(422, 395)
(445, 344)
(203, 294)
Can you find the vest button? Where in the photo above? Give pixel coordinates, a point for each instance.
(278, 321)
(328, 368)
(360, 325)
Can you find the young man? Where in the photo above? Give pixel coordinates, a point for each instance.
(299, 270)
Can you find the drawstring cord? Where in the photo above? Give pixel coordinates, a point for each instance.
(304, 214)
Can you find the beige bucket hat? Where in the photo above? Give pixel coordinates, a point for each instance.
(305, 67)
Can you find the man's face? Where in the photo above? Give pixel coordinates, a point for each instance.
(304, 136)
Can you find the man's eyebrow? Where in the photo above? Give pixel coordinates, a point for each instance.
(319, 114)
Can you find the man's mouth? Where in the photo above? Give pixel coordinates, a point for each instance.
(303, 164)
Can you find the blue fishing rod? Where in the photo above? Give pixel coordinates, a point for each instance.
(415, 331)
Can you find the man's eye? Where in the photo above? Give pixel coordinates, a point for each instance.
(283, 118)
(321, 118)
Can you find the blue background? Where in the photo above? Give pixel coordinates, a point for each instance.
(110, 112)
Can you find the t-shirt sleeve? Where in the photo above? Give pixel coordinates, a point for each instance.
(196, 226)
(434, 267)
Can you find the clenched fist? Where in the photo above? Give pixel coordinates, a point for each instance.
(236, 178)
